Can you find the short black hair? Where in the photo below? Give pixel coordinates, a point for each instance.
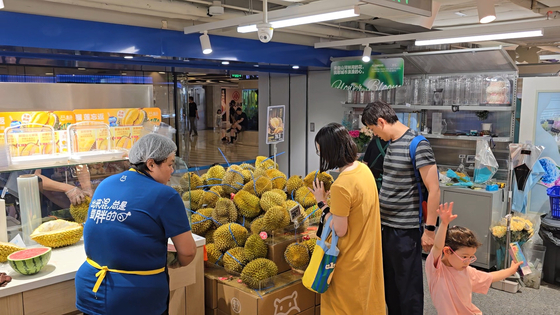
(191, 98)
(142, 167)
(337, 149)
(238, 109)
(376, 110)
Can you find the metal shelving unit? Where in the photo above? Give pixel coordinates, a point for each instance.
(454, 108)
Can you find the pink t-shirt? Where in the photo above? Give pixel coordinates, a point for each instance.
(451, 289)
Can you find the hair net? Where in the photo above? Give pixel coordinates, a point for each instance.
(151, 146)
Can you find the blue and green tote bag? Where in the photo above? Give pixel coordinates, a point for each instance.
(318, 274)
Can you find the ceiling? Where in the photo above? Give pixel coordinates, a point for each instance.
(374, 21)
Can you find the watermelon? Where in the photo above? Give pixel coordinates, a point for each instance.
(30, 261)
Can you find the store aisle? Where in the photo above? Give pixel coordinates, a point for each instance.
(203, 149)
(543, 301)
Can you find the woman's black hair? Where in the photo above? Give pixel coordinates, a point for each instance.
(219, 111)
(143, 167)
(337, 149)
(376, 110)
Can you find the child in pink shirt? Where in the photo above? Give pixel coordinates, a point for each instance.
(450, 278)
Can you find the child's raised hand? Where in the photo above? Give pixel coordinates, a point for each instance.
(445, 213)
(514, 266)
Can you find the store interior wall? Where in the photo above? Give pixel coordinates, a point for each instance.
(213, 103)
(298, 122)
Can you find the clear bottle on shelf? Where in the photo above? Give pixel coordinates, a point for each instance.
(448, 91)
(468, 90)
(476, 92)
(459, 91)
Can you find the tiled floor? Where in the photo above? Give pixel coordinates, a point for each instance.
(542, 301)
(203, 149)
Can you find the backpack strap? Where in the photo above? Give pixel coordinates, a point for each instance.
(412, 148)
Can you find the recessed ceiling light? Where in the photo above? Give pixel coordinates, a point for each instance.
(295, 67)
(128, 57)
(49, 73)
(225, 62)
(461, 14)
(81, 69)
(161, 72)
(256, 66)
(124, 73)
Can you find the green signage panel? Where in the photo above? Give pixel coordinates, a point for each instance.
(376, 75)
(236, 76)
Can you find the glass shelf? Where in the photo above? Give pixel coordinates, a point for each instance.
(503, 108)
(468, 138)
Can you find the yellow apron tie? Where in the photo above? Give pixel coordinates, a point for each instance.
(100, 275)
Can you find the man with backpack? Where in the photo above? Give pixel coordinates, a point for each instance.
(410, 180)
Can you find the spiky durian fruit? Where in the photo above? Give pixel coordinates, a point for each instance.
(6, 249)
(234, 167)
(313, 212)
(255, 248)
(204, 178)
(310, 243)
(202, 221)
(178, 188)
(243, 221)
(247, 204)
(224, 212)
(259, 186)
(190, 181)
(297, 256)
(232, 182)
(264, 162)
(215, 175)
(210, 198)
(272, 199)
(275, 218)
(57, 233)
(258, 226)
(293, 184)
(215, 257)
(229, 236)
(257, 271)
(305, 197)
(259, 172)
(193, 197)
(281, 193)
(234, 261)
(247, 166)
(278, 178)
(324, 177)
(209, 236)
(79, 212)
(247, 175)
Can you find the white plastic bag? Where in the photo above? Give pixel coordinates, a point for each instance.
(485, 165)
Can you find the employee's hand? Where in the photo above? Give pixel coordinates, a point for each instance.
(88, 192)
(76, 195)
(428, 240)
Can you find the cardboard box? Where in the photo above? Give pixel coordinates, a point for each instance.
(209, 311)
(211, 276)
(317, 299)
(276, 248)
(318, 310)
(291, 299)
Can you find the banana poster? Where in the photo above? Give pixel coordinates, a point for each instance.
(275, 119)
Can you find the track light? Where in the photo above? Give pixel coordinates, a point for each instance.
(205, 43)
(486, 11)
(367, 54)
(480, 38)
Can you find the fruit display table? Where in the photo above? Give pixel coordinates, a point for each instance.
(51, 291)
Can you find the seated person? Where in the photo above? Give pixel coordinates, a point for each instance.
(239, 124)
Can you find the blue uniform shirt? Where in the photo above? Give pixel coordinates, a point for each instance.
(130, 219)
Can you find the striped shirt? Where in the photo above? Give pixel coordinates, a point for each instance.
(399, 198)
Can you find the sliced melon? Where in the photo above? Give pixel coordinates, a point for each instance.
(57, 233)
(30, 261)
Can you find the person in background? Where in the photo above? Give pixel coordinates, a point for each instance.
(218, 119)
(229, 119)
(373, 158)
(450, 278)
(403, 239)
(357, 282)
(193, 116)
(239, 125)
(131, 218)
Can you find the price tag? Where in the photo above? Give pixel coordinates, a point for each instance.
(295, 213)
(18, 241)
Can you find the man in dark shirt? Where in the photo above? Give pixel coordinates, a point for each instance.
(375, 153)
(239, 123)
(193, 116)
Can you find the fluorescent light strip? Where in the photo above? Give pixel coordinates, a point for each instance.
(479, 38)
(337, 15)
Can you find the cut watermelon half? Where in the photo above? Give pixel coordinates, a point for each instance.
(30, 261)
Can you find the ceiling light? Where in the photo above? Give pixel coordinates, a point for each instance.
(367, 54)
(316, 18)
(225, 62)
(486, 11)
(48, 73)
(461, 14)
(256, 66)
(1, 4)
(295, 67)
(479, 38)
(161, 72)
(205, 43)
(82, 69)
(124, 73)
(128, 57)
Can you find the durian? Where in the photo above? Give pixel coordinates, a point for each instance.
(275, 218)
(190, 181)
(215, 257)
(57, 233)
(313, 212)
(247, 204)
(326, 178)
(310, 243)
(293, 184)
(259, 172)
(278, 178)
(247, 166)
(193, 197)
(225, 212)
(79, 212)
(257, 271)
(215, 175)
(202, 221)
(297, 256)
(305, 197)
(178, 188)
(259, 186)
(281, 193)
(210, 198)
(265, 162)
(247, 175)
(6, 249)
(232, 182)
(209, 236)
(234, 261)
(258, 226)
(272, 199)
(229, 236)
(255, 248)
(204, 178)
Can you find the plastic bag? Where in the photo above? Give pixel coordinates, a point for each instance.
(485, 162)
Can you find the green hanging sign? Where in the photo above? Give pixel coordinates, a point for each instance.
(376, 75)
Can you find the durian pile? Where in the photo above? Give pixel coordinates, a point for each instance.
(232, 207)
(298, 254)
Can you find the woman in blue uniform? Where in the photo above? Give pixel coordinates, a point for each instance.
(130, 219)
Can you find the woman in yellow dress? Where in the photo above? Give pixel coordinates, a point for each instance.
(357, 282)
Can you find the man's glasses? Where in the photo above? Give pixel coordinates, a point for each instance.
(470, 260)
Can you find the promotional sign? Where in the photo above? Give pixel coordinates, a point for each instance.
(376, 75)
(119, 116)
(275, 122)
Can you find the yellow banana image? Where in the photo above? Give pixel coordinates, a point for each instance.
(275, 122)
(134, 117)
(30, 149)
(45, 118)
(124, 142)
(87, 145)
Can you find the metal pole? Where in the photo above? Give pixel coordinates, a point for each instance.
(274, 152)
(509, 204)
